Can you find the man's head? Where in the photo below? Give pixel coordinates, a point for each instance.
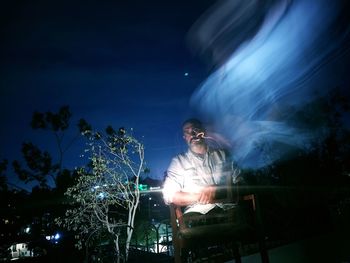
(193, 131)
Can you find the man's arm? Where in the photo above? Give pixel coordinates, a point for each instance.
(184, 198)
(206, 196)
(173, 185)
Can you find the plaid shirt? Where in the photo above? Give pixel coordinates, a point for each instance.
(189, 172)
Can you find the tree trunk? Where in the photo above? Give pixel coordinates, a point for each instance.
(131, 223)
(116, 247)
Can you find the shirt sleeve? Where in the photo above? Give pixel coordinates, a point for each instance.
(173, 181)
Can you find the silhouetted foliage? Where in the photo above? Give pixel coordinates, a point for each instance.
(65, 179)
(299, 188)
(84, 127)
(3, 180)
(52, 121)
(39, 165)
(325, 159)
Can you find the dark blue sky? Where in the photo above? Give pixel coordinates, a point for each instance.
(125, 63)
(113, 62)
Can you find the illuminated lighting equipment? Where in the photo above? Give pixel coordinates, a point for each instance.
(101, 195)
(56, 237)
(143, 187)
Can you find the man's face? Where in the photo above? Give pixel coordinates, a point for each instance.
(190, 132)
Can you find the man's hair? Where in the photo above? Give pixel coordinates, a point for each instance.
(195, 122)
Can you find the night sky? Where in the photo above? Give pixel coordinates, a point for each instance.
(122, 63)
(130, 64)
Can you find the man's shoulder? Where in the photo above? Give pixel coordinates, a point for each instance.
(181, 156)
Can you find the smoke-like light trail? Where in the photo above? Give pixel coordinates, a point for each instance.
(266, 54)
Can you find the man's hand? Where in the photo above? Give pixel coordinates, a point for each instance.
(207, 195)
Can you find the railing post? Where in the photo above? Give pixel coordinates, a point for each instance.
(260, 231)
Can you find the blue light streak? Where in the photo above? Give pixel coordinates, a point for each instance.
(270, 74)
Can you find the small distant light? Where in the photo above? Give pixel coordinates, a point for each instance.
(149, 198)
(27, 230)
(57, 236)
(48, 238)
(186, 74)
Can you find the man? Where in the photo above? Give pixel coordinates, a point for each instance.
(194, 179)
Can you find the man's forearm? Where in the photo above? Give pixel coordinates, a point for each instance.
(206, 196)
(184, 198)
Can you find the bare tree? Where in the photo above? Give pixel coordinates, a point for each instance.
(106, 194)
